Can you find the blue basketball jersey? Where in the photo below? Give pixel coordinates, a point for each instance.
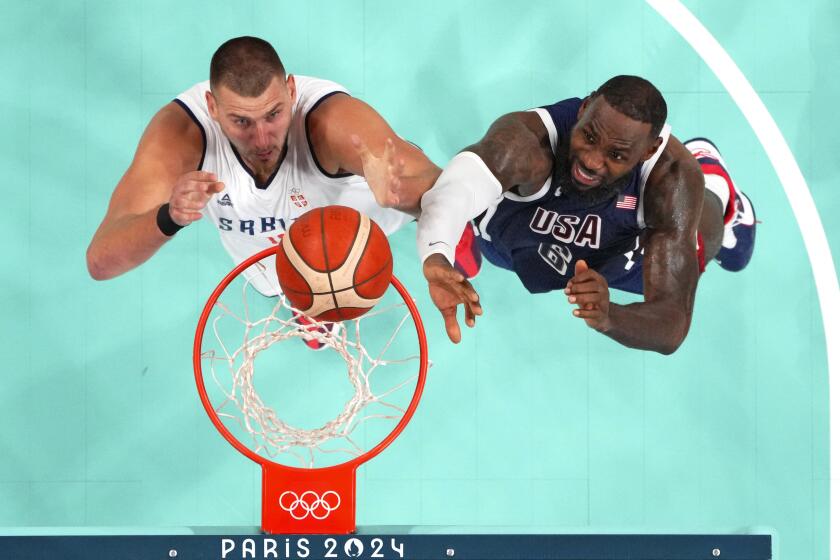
(541, 236)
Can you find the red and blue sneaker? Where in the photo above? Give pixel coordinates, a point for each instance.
(738, 236)
(314, 341)
(739, 217)
(468, 254)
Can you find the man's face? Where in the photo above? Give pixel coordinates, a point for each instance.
(256, 126)
(603, 149)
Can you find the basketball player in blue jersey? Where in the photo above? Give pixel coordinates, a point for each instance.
(587, 195)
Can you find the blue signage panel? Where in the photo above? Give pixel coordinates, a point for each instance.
(389, 547)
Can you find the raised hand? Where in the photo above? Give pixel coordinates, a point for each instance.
(449, 289)
(382, 173)
(190, 195)
(590, 292)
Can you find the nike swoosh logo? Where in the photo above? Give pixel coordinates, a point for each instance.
(436, 242)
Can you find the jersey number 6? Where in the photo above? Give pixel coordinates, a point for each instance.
(557, 256)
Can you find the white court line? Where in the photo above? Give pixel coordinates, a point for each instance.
(800, 199)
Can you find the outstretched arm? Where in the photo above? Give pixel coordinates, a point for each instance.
(673, 203)
(163, 171)
(515, 151)
(349, 136)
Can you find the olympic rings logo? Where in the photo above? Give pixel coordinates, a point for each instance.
(309, 503)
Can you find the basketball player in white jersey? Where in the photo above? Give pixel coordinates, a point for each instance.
(252, 149)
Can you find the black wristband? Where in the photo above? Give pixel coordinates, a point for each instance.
(165, 223)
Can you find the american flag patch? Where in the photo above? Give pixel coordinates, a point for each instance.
(626, 201)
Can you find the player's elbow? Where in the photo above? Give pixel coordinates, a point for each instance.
(669, 347)
(675, 337)
(97, 264)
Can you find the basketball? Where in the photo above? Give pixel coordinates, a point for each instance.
(334, 263)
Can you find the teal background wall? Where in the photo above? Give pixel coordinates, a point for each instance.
(533, 422)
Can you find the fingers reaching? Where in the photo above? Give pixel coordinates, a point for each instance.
(382, 172)
(390, 151)
(449, 289)
(453, 329)
(469, 315)
(190, 195)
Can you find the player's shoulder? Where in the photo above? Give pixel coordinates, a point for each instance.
(675, 185)
(193, 100)
(190, 113)
(196, 91)
(563, 113)
(571, 104)
(674, 166)
(173, 122)
(312, 92)
(310, 83)
(172, 136)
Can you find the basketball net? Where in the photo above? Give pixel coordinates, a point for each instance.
(270, 433)
(304, 498)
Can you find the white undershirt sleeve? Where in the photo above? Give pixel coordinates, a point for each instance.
(464, 190)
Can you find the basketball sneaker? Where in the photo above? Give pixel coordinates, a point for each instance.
(468, 254)
(739, 217)
(738, 236)
(313, 341)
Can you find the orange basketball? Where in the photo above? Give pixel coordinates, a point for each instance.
(334, 263)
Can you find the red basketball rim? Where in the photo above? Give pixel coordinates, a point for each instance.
(352, 463)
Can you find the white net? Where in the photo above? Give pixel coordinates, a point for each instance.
(291, 418)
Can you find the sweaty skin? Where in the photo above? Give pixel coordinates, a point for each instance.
(673, 204)
(605, 146)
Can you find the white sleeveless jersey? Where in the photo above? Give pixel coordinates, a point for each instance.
(250, 219)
